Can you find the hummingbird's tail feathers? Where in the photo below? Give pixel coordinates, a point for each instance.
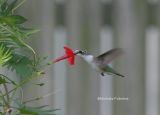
(119, 75)
(109, 70)
(115, 74)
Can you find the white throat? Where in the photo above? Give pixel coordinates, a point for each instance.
(88, 58)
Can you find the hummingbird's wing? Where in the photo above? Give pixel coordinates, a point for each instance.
(107, 57)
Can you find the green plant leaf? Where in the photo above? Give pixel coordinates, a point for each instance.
(1, 2)
(11, 6)
(2, 80)
(21, 64)
(13, 19)
(28, 31)
(26, 110)
(5, 55)
(4, 6)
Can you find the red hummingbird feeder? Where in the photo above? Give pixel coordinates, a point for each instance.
(69, 54)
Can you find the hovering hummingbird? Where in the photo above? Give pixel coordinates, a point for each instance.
(101, 62)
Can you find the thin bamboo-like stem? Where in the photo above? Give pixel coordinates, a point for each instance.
(23, 82)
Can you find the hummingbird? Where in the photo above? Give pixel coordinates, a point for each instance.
(101, 62)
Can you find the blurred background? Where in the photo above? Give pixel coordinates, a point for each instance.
(98, 26)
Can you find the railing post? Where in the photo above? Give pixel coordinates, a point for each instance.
(129, 22)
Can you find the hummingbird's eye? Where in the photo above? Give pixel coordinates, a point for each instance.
(81, 52)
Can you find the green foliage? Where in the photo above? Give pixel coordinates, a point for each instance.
(12, 36)
(13, 19)
(5, 55)
(21, 64)
(41, 110)
(2, 80)
(16, 55)
(7, 8)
